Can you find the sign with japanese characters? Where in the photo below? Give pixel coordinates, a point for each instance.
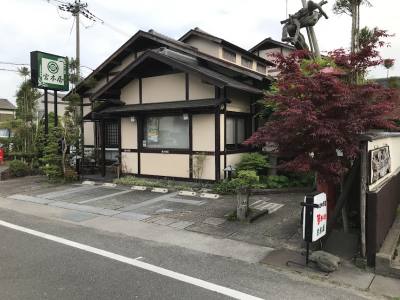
(49, 71)
(380, 163)
(315, 217)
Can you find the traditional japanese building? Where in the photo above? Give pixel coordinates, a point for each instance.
(7, 113)
(173, 108)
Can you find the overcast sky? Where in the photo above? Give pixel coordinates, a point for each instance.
(28, 25)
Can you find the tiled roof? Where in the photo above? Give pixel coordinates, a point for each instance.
(6, 105)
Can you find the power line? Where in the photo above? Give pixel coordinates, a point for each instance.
(12, 63)
(8, 70)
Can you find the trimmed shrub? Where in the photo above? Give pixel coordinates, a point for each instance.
(253, 161)
(18, 168)
(245, 179)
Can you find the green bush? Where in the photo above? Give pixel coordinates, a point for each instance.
(18, 168)
(245, 179)
(276, 182)
(252, 161)
(132, 180)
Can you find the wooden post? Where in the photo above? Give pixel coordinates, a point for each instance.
(55, 109)
(46, 112)
(363, 196)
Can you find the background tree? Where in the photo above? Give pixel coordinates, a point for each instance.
(351, 8)
(24, 126)
(318, 114)
(388, 63)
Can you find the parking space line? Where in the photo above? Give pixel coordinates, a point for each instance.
(66, 192)
(135, 262)
(105, 197)
(186, 201)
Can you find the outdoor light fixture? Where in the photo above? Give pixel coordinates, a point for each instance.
(229, 170)
(133, 119)
(185, 117)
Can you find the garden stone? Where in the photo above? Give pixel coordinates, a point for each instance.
(242, 198)
(326, 262)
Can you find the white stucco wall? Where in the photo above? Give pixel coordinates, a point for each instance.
(164, 88)
(129, 162)
(128, 134)
(203, 132)
(130, 92)
(240, 101)
(198, 89)
(169, 165)
(204, 45)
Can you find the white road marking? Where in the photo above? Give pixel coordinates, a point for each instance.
(105, 197)
(136, 263)
(272, 207)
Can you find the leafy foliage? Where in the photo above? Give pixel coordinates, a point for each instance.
(345, 6)
(245, 180)
(252, 161)
(52, 159)
(319, 113)
(19, 168)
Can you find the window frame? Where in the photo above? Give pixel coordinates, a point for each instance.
(247, 129)
(249, 60)
(162, 149)
(231, 52)
(264, 67)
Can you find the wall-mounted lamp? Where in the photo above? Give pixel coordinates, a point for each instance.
(185, 117)
(133, 119)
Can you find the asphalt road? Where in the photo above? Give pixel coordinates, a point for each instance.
(32, 267)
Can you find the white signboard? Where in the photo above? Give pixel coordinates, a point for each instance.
(52, 71)
(315, 217)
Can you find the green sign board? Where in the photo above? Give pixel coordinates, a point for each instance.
(49, 71)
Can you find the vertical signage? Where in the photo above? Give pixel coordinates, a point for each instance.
(49, 71)
(314, 217)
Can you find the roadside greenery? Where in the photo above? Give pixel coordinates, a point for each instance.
(19, 168)
(251, 173)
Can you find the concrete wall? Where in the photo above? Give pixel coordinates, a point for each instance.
(164, 88)
(128, 134)
(394, 148)
(130, 92)
(169, 165)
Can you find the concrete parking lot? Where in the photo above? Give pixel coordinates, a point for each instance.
(280, 228)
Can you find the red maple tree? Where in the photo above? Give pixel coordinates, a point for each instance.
(319, 113)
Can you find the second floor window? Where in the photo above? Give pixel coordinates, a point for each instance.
(246, 62)
(229, 55)
(261, 68)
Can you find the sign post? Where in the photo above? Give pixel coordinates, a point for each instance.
(315, 217)
(49, 72)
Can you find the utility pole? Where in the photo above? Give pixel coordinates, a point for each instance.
(76, 8)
